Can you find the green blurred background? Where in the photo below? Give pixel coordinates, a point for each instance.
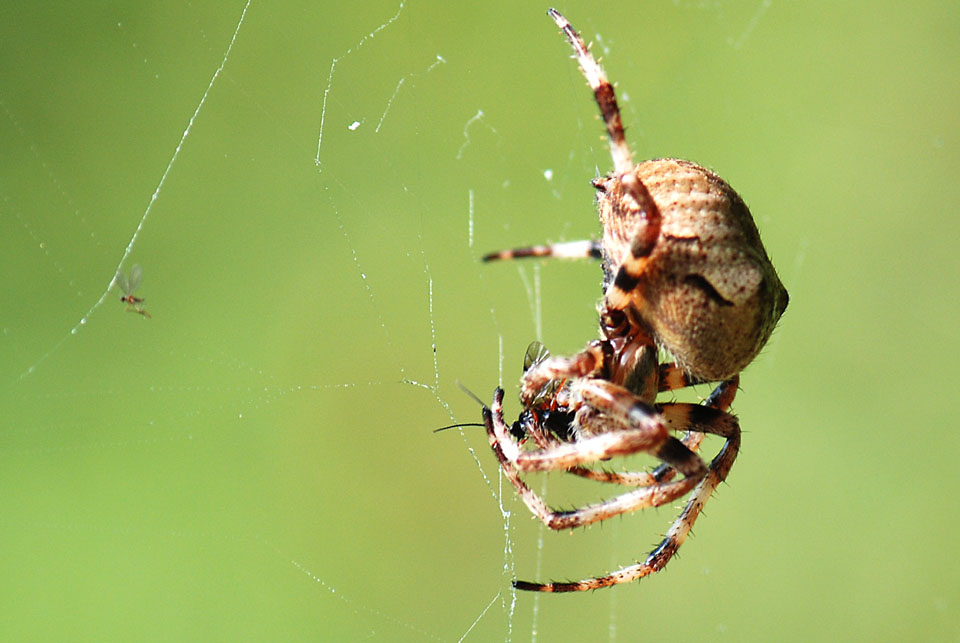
(257, 460)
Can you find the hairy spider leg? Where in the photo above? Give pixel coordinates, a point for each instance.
(568, 250)
(636, 197)
(719, 401)
(671, 377)
(603, 91)
(609, 443)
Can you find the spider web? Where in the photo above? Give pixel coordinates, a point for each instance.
(308, 190)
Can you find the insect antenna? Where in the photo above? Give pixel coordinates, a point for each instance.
(454, 426)
(472, 395)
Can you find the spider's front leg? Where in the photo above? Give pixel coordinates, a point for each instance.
(564, 456)
(633, 365)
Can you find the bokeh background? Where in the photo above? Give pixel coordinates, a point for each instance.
(257, 461)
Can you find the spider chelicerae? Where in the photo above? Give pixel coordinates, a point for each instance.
(683, 270)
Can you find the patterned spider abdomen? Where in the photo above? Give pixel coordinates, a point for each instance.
(706, 291)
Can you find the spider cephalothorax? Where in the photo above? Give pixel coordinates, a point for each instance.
(685, 271)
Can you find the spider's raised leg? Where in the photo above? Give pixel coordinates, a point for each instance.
(569, 250)
(615, 442)
(630, 197)
(677, 534)
(603, 91)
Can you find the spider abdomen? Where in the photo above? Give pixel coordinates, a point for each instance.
(707, 292)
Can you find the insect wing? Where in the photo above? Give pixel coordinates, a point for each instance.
(136, 275)
(121, 280)
(536, 353)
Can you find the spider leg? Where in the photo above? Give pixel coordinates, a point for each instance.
(602, 91)
(590, 361)
(637, 198)
(623, 292)
(663, 473)
(589, 249)
(650, 436)
(625, 478)
(545, 440)
(587, 362)
(671, 377)
(643, 429)
(652, 496)
(677, 534)
(533, 427)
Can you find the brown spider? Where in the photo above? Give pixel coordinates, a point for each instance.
(683, 270)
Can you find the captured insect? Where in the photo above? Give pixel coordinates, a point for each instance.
(684, 271)
(128, 286)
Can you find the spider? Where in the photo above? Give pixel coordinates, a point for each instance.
(684, 270)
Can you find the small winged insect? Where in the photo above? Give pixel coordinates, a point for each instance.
(543, 421)
(127, 286)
